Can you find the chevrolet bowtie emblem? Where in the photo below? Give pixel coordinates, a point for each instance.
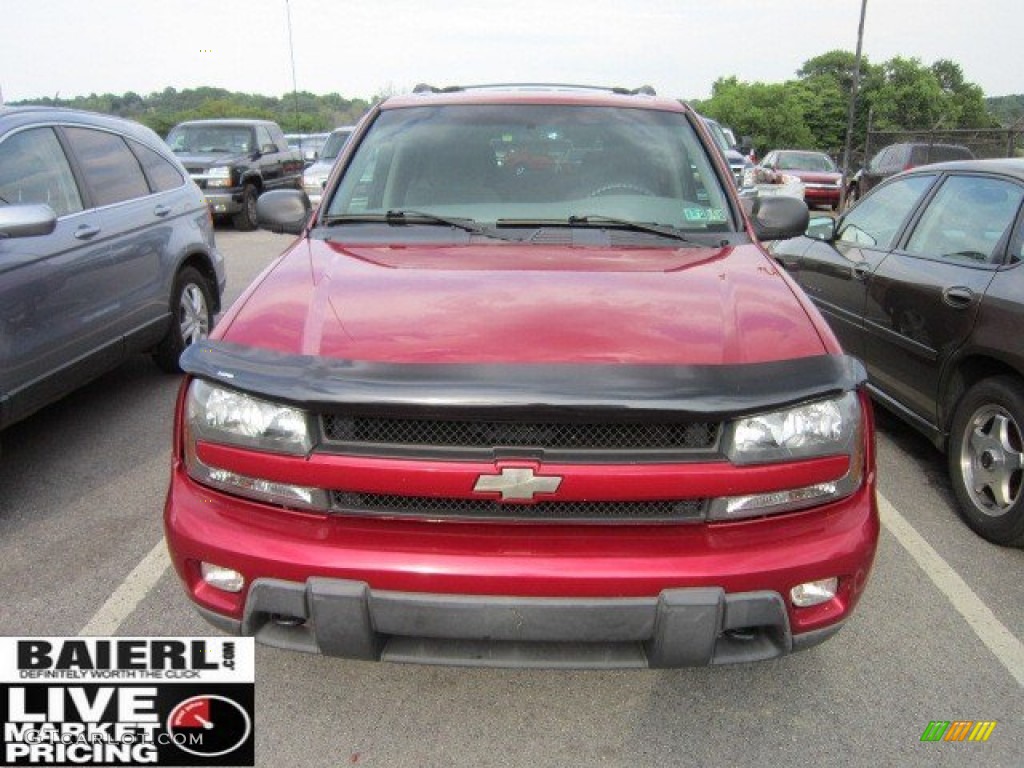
(516, 484)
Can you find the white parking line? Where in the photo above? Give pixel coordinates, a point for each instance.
(127, 597)
(1001, 641)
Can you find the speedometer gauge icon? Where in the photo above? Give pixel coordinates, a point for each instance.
(209, 726)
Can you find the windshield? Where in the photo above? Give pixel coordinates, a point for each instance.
(199, 139)
(806, 161)
(334, 144)
(718, 135)
(519, 163)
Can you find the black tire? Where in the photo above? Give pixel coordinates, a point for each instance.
(986, 459)
(245, 220)
(192, 318)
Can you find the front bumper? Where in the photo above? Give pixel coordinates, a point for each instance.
(678, 627)
(521, 594)
(223, 203)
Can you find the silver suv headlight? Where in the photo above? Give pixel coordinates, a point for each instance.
(822, 428)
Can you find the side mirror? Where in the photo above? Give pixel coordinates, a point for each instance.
(822, 228)
(779, 218)
(268, 149)
(284, 211)
(26, 220)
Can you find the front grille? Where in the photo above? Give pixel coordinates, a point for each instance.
(695, 436)
(668, 511)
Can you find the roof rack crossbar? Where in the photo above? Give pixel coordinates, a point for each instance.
(643, 90)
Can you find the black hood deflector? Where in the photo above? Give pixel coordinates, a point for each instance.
(559, 391)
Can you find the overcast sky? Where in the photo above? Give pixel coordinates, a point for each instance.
(359, 49)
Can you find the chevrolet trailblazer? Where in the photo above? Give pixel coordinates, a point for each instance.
(567, 414)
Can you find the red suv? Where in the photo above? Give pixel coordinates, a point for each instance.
(570, 417)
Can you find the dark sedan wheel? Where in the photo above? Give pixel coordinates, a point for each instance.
(986, 459)
(245, 220)
(192, 309)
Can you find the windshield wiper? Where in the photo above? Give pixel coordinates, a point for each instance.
(399, 217)
(406, 216)
(597, 220)
(637, 226)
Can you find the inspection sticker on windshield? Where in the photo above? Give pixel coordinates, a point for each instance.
(704, 215)
(127, 701)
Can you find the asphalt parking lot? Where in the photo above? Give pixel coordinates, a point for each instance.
(939, 634)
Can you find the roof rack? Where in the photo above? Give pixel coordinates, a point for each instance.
(643, 90)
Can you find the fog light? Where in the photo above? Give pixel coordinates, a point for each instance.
(222, 578)
(814, 592)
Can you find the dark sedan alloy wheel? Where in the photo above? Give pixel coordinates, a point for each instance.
(987, 460)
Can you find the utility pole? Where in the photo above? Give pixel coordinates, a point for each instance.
(291, 51)
(853, 103)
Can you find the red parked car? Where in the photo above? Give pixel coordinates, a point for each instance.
(473, 416)
(821, 178)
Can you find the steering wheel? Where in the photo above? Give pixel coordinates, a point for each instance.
(622, 186)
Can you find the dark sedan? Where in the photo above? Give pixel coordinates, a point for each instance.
(923, 281)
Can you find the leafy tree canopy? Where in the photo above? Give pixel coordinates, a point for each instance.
(806, 112)
(810, 111)
(302, 112)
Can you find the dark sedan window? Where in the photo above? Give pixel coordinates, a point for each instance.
(34, 169)
(967, 219)
(162, 174)
(878, 219)
(111, 171)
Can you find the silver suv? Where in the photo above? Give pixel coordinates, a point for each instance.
(314, 178)
(106, 249)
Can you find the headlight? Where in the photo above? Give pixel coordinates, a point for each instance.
(220, 415)
(218, 176)
(822, 428)
(226, 416)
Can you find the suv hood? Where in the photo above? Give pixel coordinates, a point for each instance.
(208, 160)
(525, 304)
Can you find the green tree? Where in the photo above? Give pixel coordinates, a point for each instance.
(909, 97)
(771, 114)
(964, 102)
(824, 105)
